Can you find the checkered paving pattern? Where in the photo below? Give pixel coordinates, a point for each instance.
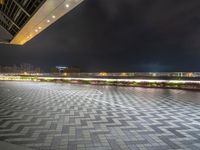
(55, 116)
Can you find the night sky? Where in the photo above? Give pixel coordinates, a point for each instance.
(118, 35)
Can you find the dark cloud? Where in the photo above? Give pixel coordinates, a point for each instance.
(118, 35)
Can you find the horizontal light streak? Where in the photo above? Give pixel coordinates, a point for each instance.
(101, 79)
(122, 80)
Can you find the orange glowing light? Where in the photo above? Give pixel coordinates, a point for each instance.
(2, 1)
(103, 74)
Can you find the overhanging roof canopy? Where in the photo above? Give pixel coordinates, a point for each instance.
(24, 19)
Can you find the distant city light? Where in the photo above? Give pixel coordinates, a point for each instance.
(103, 74)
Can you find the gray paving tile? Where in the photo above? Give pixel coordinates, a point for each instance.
(48, 116)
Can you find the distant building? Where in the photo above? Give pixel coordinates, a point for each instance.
(61, 69)
(28, 68)
(64, 69)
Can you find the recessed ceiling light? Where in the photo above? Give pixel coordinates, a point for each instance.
(53, 17)
(67, 5)
(48, 21)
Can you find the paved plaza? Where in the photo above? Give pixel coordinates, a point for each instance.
(56, 116)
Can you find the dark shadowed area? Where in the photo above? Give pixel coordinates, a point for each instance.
(118, 35)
